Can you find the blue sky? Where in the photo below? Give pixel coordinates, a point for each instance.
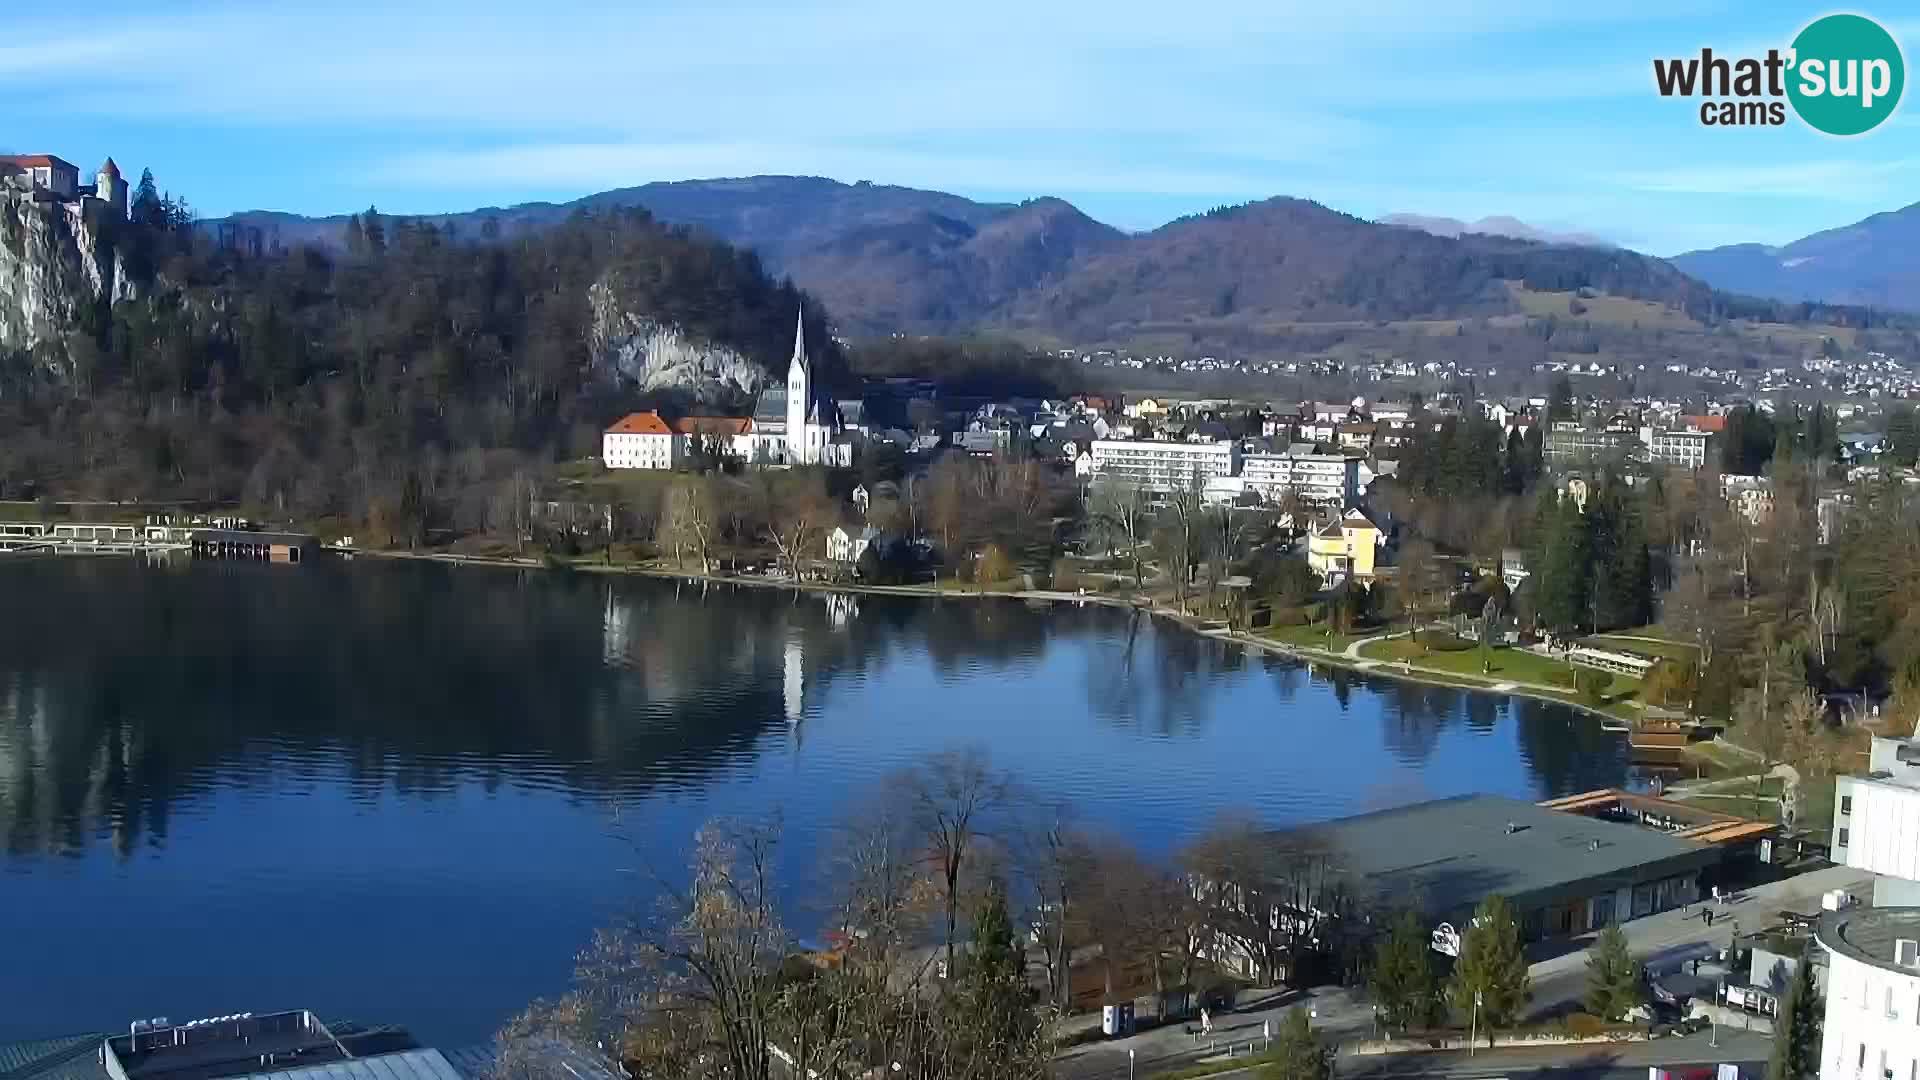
(1136, 112)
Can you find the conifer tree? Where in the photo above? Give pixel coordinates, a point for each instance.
(994, 1018)
(1490, 982)
(1796, 1029)
(1402, 981)
(1613, 976)
(1297, 1052)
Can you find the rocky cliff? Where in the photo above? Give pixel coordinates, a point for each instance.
(656, 356)
(55, 261)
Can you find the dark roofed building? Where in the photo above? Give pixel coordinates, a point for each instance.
(1565, 873)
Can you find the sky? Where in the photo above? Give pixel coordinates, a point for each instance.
(1136, 112)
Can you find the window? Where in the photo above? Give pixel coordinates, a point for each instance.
(1843, 839)
(1846, 804)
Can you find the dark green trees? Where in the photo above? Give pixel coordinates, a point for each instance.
(1796, 1029)
(1613, 976)
(1402, 983)
(1490, 984)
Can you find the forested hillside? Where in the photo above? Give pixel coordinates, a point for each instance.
(360, 382)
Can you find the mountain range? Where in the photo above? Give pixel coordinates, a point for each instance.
(889, 260)
(1873, 263)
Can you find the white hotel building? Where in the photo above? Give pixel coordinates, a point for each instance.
(1872, 1023)
(1876, 822)
(1163, 466)
(1320, 479)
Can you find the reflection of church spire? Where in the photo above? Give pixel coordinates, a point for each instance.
(793, 680)
(615, 630)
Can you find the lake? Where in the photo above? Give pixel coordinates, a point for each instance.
(406, 792)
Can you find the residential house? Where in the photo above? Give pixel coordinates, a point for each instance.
(1357, 435)
(1345, 548)
(846, 545)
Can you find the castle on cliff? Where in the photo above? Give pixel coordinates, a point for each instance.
(50, 179)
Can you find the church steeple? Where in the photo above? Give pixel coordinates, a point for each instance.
(799, 397)
(799, 340)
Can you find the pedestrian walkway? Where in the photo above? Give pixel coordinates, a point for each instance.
(1665, 941)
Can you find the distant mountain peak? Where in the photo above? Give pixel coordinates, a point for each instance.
(1497, 225)
(1874, 262)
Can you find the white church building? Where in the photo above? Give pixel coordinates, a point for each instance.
(792, 424)
(795, 424)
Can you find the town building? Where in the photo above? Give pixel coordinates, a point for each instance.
(1687, 449)
(1345, 548)
(1871, 1026)
(1570, 441)
(1165, 466)
(1750, 496)
(1876, 821)
(846, 545)
(43, 172)
(1318, 479)
(1565, 871)
(640, 440)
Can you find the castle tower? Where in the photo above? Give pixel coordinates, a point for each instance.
(111, 187)
(799, 398)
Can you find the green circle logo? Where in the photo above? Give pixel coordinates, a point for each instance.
(1847, 74)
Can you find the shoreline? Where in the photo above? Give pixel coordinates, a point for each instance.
(1309, 656)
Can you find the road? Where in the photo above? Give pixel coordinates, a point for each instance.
(1559, 975)
(1623, 1061)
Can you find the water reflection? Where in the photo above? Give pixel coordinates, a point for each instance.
(434, 752)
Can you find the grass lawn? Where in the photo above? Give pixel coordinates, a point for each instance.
(1509, 665)
(1315, 636)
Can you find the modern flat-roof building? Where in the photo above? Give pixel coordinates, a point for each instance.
(1565, 873)
(293, 1045)
(1872, 1023)
(1876, 821)
(1320, 479)
(1162, 466)
(1687, 449)
(1572, 442)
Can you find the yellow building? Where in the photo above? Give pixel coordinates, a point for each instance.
(1345, 548)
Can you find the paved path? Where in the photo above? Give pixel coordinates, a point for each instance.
(1665, 941)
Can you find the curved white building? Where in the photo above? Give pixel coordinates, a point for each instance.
(1872, 1027)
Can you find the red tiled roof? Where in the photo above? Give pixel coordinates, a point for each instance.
(110, 168)
(1713, 424)
(37, 161)
(640, 423)
(713, 425)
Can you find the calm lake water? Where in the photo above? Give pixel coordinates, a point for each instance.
(407, 792)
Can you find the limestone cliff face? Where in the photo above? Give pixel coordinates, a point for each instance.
(54, 262)
(634, 345)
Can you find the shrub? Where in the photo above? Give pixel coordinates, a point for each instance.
(994, 566)
(1591, 685)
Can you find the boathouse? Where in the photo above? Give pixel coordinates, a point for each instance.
(248, 544)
